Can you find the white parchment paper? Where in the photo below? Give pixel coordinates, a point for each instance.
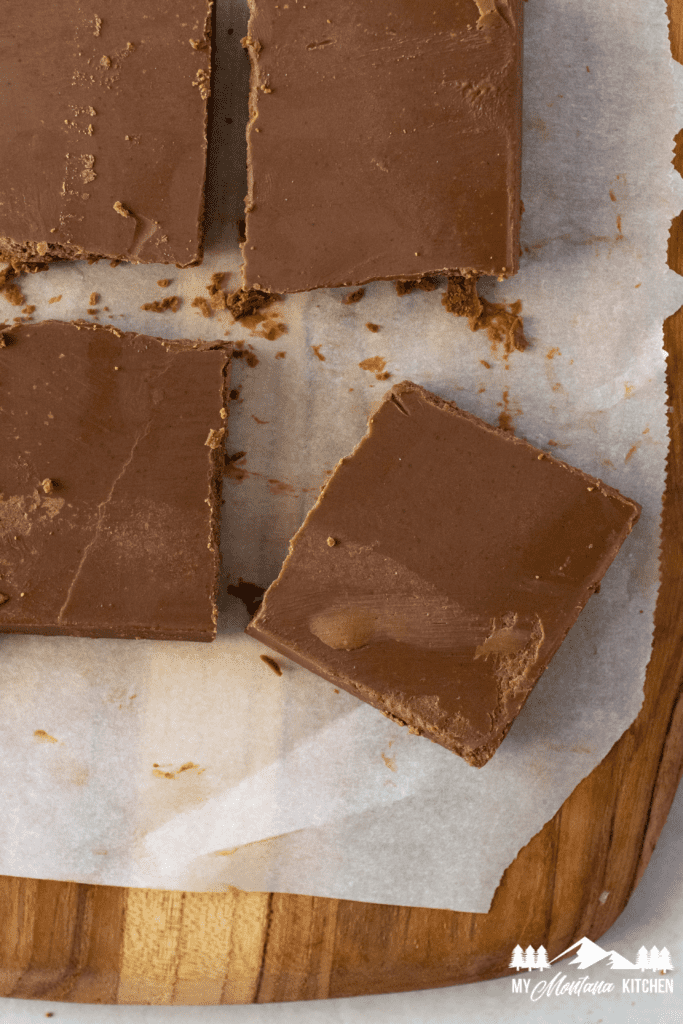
(191, 766)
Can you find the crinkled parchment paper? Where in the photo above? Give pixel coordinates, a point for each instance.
(190, 766)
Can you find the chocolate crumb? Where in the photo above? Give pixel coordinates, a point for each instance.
(200, 303)
(171, 302)
(375, 364)
(217, 297)
(352, 297)
(503, 323)
(14, 294)
(372, 327)
(280, 355)
(94, 298)
(271, 663)
(246, 301)
(121, 210)
(55, 298)
(215, 438)
(164, 282)
(461, 297)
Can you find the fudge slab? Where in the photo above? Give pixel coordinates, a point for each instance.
(440, 570)
(384, 141)
(110, 474)
(103, 109)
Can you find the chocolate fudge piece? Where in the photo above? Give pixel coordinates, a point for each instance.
(384, 141)
(440, 570)
(110, 475)
(103, 110)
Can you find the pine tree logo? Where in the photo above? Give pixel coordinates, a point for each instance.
(654, 960)
(529, 959)
(541, 963)
(517, 958)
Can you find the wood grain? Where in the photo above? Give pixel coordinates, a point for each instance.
(100, 944)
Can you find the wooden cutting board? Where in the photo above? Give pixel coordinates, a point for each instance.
(101, 944)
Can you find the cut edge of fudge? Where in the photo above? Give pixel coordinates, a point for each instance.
(402, 711)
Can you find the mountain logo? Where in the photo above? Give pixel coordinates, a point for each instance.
(589, 953)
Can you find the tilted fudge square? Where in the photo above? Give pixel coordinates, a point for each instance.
(440, 570)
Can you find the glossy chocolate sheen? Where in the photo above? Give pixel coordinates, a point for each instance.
(103, 110)
(384, 141)
(440, 570)
(110, 472)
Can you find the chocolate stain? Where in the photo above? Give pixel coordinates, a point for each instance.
(280, 487)
(271, 330)
(250, 594)
(506, 416)
(354, 296)
(248, 354)
(316, 349)
(236, 473)
(424, 284)
(44, 737)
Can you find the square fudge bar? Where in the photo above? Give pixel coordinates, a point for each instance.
(384, 141)
(110, 475)
(441, 568)
(104, 115)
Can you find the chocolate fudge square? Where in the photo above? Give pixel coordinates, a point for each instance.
(384, 141)
(440, 570)
(104, 111)
(110, 477)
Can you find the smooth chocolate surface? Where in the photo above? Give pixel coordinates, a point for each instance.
(440, 570)
(110, 473)
(384, 141)
(103, 110)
